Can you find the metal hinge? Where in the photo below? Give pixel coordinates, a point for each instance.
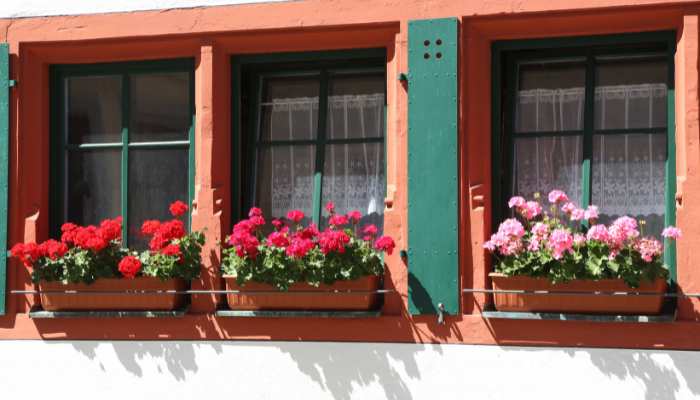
(12, 83)
(441, 314)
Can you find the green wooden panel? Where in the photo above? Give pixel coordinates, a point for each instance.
(432, 166)
(4, 164)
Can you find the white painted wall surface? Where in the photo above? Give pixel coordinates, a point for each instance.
(34, 8)
(291, 370)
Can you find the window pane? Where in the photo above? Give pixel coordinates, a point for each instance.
(546, 163)
(630, 93)
(93, 181)
(285, 180)
(290, 109)
(354, 179)
(94, 109)
(628, 178)
(157, 177)
(356, 106)
(159, 107)
(550, 96)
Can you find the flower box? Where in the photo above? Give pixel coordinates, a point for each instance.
(108, 294)
(569, 302)
(294, 299)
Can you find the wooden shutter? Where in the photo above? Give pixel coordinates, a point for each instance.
(432, 166)
(4, 164)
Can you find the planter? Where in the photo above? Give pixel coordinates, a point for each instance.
(114, 301)
(294, 300)
(572, 303)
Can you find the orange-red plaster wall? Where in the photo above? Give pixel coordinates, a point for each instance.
(211, 36)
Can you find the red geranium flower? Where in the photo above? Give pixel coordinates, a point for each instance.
(255, 212)
(386, 244)
(370, 231)
(68, 231)
(53, 249)
(278, 239)
(129, 266)
(330, 240)
(150, 227)
(354, 216)
(178, 208)
(338, 220)
(277, 223)
(296, 216)
(172, 250)
(111, 229)
(26, 252)
(330, 207)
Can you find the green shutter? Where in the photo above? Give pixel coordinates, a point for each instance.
(4, 163)
(432, 166)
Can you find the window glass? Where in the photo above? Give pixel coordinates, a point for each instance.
(94, 109)
(159, 107)
(157, 177)
(550, 96)
(352, 175)
(628, 178)
(290, 109)
(104, 155)
(354, 179)
(546, 163)
(356, 107)
(285, 179)
(630, 92)
(94, 192)
(626, 127)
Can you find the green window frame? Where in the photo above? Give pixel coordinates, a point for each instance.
(506, 54)
(254, 70)
(59, 137)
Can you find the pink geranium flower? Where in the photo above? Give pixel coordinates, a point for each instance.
(557, 196)
(560, 242)
(591, 213)
(672, 232)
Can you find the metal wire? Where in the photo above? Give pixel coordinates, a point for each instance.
(171, 292)
(579, 293)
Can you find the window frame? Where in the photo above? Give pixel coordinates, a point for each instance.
(506, 54)
(59, 145)
(323, 64)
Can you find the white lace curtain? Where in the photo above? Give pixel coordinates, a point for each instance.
(627, 169)
(353, 176)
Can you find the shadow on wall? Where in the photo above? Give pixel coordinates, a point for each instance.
(337, 368)
(179, 357)
(659, 371)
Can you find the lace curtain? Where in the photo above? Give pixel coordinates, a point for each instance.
(353, 174)
(627, 169)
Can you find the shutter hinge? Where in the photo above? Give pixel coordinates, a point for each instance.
(403, 77)
(12, 83)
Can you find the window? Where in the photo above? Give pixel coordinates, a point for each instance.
(593, 121)
(315, 133)
(122, 142)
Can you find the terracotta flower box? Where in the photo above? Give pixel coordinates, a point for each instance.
(573, 303)
(117, 300)
(293, 300)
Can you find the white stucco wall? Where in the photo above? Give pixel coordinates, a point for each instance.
(291, 370)
(33, 8)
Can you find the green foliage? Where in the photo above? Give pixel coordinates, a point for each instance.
(591, 259)
(274, 267)
(187, 266)
(80, 265)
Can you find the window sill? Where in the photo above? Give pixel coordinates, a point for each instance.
(297, 314)
(39, 313)
(665, 317)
